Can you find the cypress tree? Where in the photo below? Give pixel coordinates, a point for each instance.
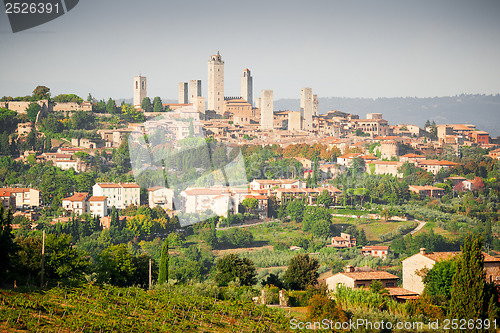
(163, 276)
(469, 282)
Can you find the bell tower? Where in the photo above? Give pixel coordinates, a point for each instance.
(140, 91)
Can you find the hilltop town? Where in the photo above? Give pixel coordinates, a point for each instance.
(296, 200)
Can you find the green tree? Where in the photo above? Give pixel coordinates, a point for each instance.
(111, 106)
(321, 228)
(469, 282)
(82, 120)
(302, 272)
(32, 111)
(8, 120)
(163, 276)
(7, 245)
(325, 199)
(157, 104)
(438, 280)
(28, 258)
(250, 204)
(115, 265)
(41, 92)
(377, 287)
(296, 210)
(63, 261)
(361, 240)
(231, 268)
(129, 113)
(66, 98)
(146, 104)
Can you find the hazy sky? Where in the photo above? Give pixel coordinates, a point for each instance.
(339, 48)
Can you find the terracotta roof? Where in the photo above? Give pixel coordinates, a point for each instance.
(413, 156)
(19, 189)
(130, 185)
(5, 193)
(436, 162)
(154, 188)
(206, 191)
(370, 275)
(77, 196)
(426, 187)
(385, 162)
(119, 185)
(396, 291)
(375, 247)
(97, 198)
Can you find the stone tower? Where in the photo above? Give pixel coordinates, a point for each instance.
(306, 108)
(389, 149)
(194, 90)
(315, 105)
(183, 93)
(140, 91)
(246, 86)
(215, 84)
(266, 110)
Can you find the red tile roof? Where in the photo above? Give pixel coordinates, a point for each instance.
(97, 198)
(77, 196)
(380, 275)
(375, 247)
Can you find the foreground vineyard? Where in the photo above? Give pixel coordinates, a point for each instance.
(104, 309)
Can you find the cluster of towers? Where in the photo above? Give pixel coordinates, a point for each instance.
(191, 94)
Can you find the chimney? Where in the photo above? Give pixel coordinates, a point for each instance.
(422, 250)
(349, 269)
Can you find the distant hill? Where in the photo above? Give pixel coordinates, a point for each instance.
(480, 110)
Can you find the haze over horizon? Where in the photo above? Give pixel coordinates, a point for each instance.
(367, 50)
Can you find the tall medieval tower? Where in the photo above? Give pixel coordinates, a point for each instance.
(140, 91)
(306, 108)
(246, 86)
(216, 84)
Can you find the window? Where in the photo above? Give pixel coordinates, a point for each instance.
(389, 284)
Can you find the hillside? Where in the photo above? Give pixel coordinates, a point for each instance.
(111, 309)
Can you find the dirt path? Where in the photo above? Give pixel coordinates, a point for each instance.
(420, 225)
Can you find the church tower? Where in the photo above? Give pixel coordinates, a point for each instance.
(216, 84)
(140, 91)
(246, 86)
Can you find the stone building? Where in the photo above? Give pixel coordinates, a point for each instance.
(294, 121)
(415, 267)
(140, 90)
(380, 251)
(119, 195)
(247, 86)
(194, 90)
(389, 149)
(266, 112)
(306, 108)
(352, 279)
(216, 84)
(183, 93)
